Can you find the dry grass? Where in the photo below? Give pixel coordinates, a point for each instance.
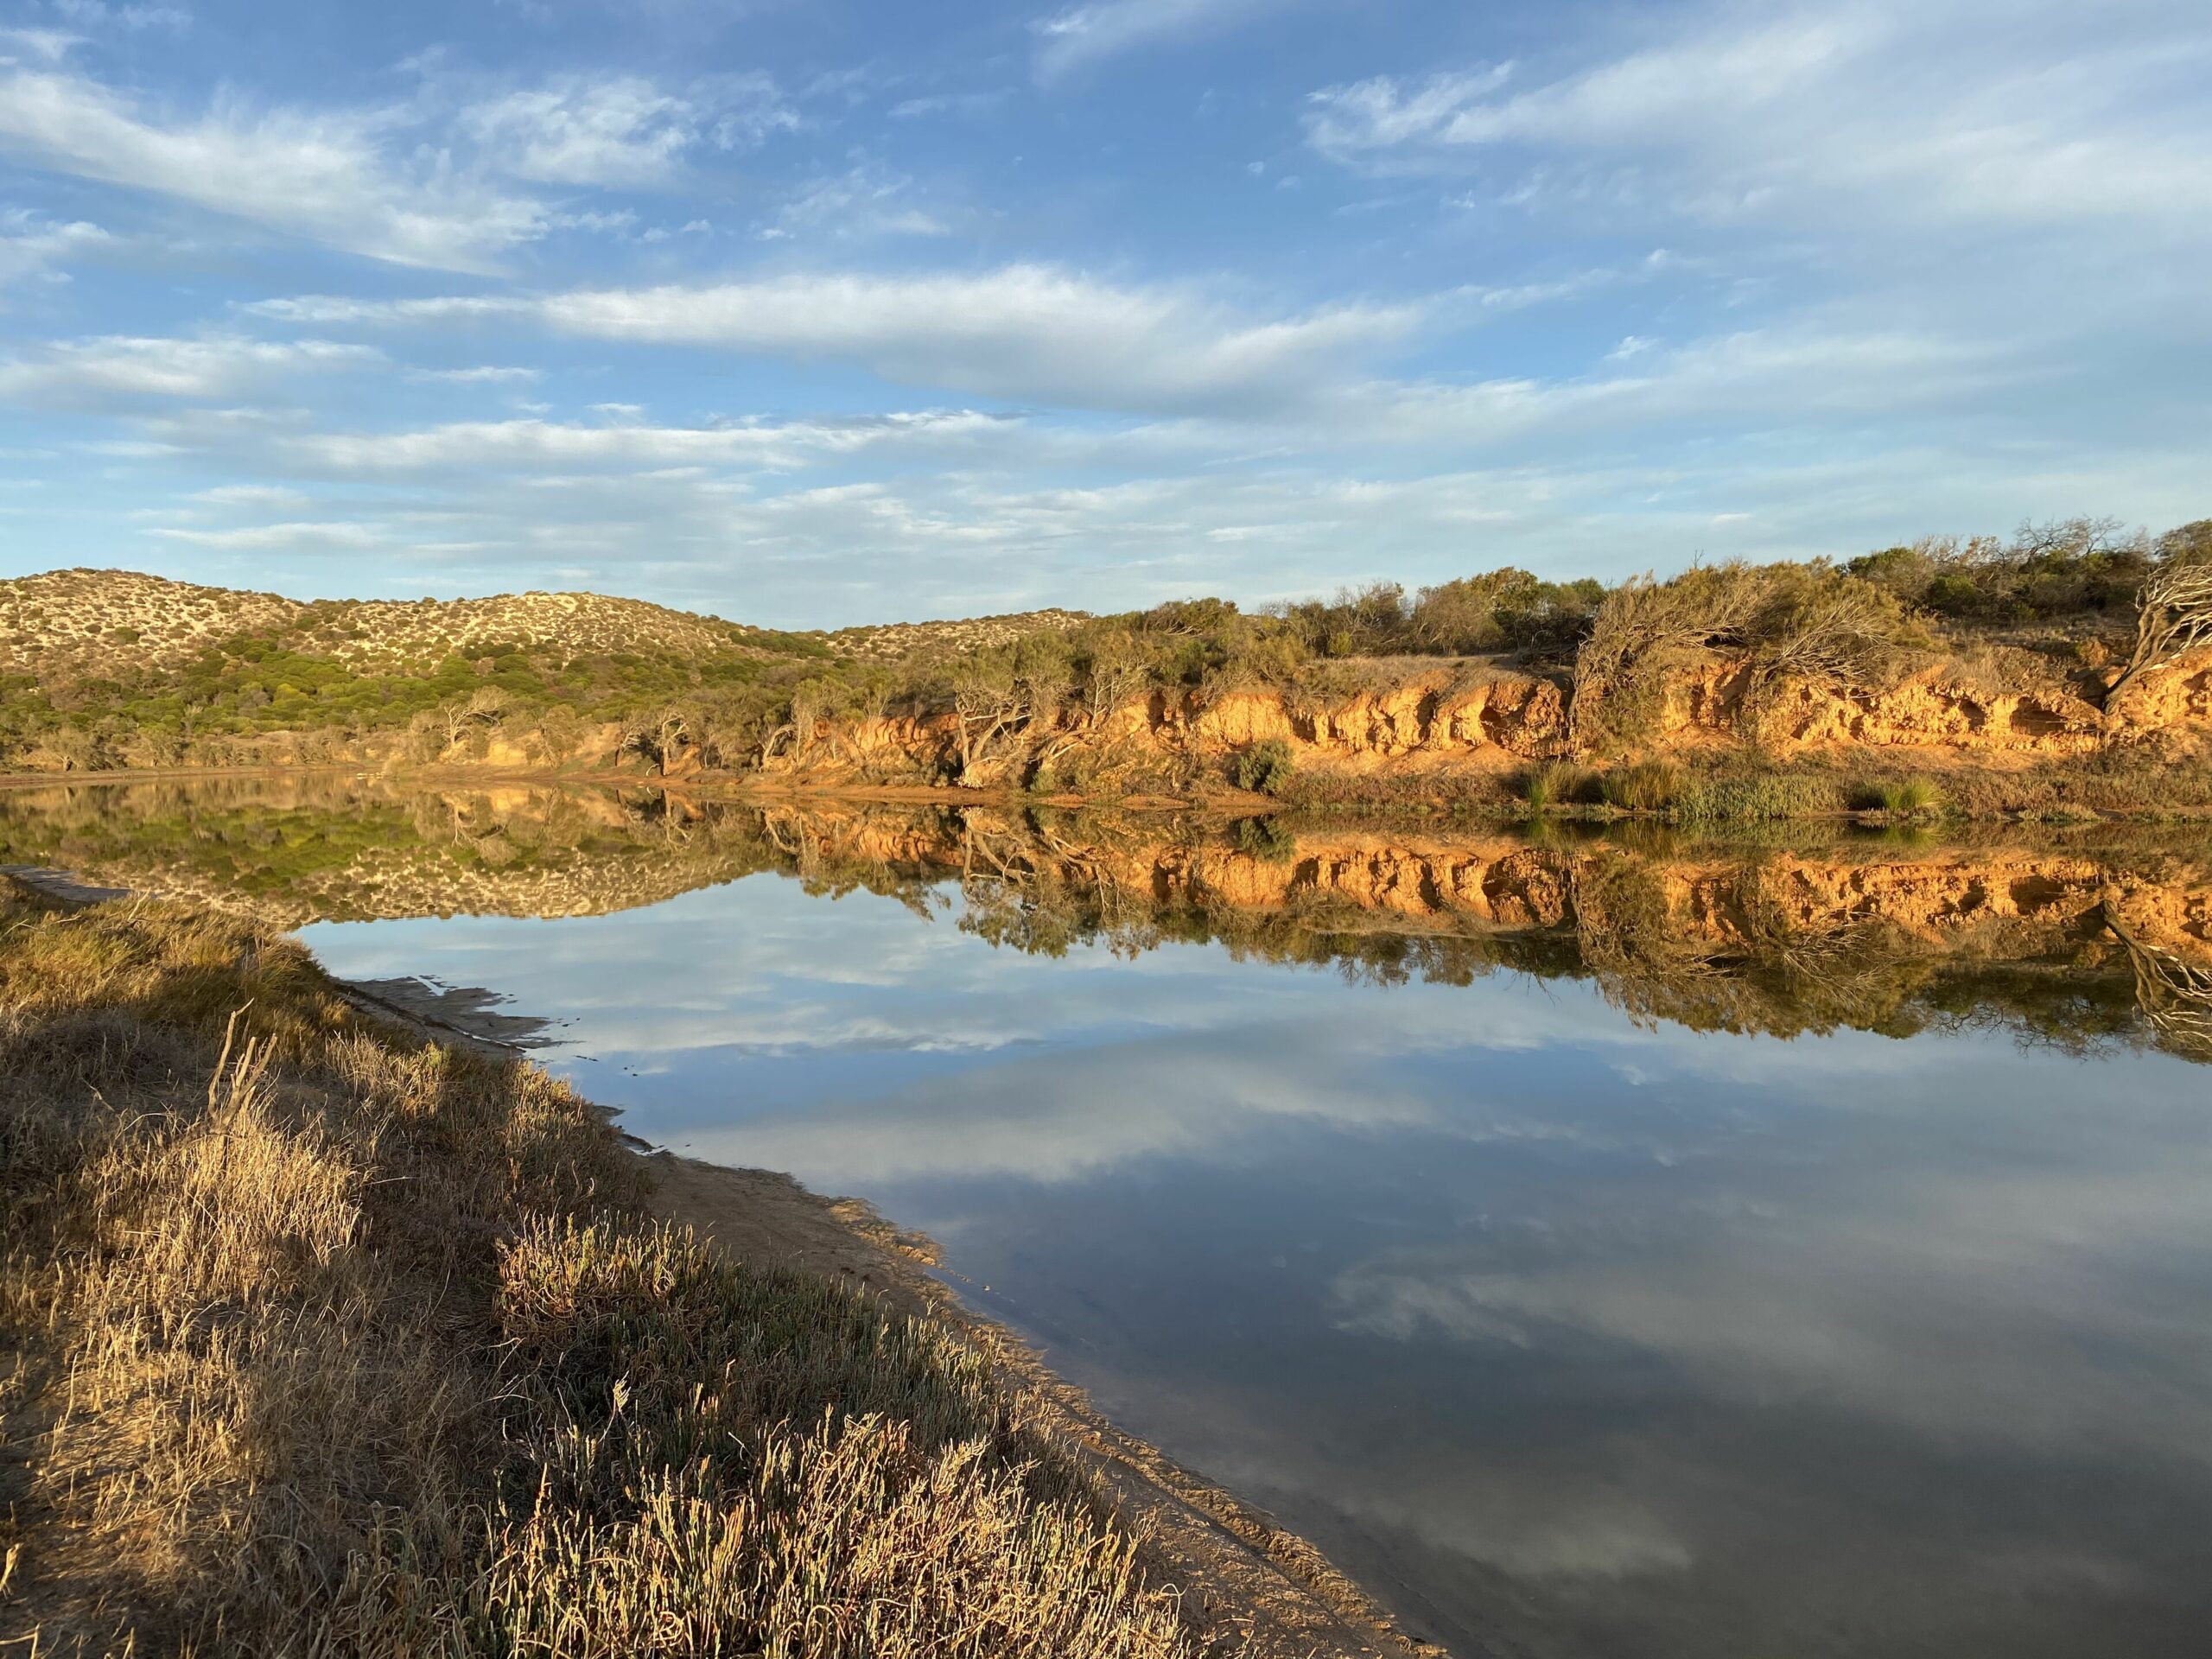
(318, 1340)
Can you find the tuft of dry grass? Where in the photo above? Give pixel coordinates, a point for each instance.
(316, 1339)
(1646, 786)
(1552, 784)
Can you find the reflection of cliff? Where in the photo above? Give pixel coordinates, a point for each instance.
(2073, 943)
(1859, 934)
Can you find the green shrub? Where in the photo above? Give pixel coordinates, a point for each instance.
(1265, 767)
(1914, 795)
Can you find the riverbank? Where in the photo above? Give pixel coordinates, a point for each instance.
(324, 1334)
(2132, 784)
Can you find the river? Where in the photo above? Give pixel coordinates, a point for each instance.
(1597, 1244)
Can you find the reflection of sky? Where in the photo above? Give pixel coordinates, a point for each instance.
(1594, 1338)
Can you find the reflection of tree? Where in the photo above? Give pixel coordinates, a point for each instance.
(1029, 886)
(1747, 965)
(2174, 995)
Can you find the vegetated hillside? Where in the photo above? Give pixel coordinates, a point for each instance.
(891, 642)
(2060, 645)
(105, 621)
(109, 668)
(2068, 644)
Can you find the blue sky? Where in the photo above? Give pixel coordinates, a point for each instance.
(812, 312)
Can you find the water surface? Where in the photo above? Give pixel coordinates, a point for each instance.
(1597, 1249)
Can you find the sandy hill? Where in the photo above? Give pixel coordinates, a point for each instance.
(892, 641)
(96, 619)
(89, 615)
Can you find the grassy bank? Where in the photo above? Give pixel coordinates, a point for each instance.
(318, 1340)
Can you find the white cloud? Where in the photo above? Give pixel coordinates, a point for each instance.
(35, 45)
(252, 495)
(1104, 28)
(304, 536)
(1949, 113)
(959, 104)
(32, 246)
(129, 19)
(1350, 122)
(748, 108)
(536, 444)
(326, 309)
(1803, 371)
(622, 132)
(1022, 331)
(320, 175)
(486, 374)
(862, 202)
(123, 367)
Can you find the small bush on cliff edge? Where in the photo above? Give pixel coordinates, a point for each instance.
(1265, 767)
(1783, 622)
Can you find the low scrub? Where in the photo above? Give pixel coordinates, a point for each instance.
(318, 1340)
(1783, 623)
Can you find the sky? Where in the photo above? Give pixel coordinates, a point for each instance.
(818, 312)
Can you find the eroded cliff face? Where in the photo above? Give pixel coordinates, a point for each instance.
(1505, 717)
(1494, 719)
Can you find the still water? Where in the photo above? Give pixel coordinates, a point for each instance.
(1574, 1314)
